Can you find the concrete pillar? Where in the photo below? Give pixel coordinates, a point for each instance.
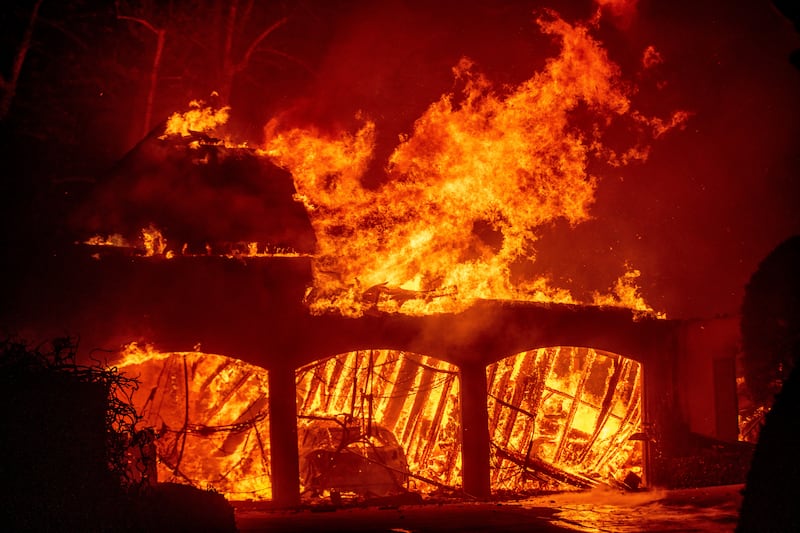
(283, 437)
(475, 431)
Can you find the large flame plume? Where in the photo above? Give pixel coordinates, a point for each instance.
(466, 195)
(468, 191)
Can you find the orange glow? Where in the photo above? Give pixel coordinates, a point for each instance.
(468, 191)
(562, 417)
(110, 240)
(199, 118)
(625, 293)
(211, 417)
(558, 418)
(154, 241)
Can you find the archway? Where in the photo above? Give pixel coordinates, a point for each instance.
(211, 418)
(376, 423)
(564, 417)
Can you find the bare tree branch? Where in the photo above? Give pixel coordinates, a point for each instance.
(9, 86)
(257, 41)
(161, 35)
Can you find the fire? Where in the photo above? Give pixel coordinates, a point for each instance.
(210, 414)
(468, 191)
(115, 240)
(211, 418)
(562, 417)
(412, 398)
(466, 194)
(199, 118)
(153, 243)
(625, 293)
(464, 201)
(378, 422)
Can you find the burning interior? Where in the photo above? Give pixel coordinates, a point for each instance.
(375, 423)
(563, 418)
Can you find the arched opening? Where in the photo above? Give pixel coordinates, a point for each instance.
(375, 423)
(210, 417)
(565, 417)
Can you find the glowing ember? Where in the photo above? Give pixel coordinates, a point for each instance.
(468, 191)
(153, 244)
(110, 240)
(562, 417)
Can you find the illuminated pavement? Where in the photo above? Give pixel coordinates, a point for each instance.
(713, 509)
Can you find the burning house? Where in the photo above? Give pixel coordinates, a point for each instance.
(322, 317)
(493, 396)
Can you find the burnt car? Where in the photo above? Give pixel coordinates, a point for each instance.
(347, 456)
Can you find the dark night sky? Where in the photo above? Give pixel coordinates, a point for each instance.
(696, 218)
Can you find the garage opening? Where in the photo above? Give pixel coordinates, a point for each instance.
(564, 418)
(378, 423)
(210, 416)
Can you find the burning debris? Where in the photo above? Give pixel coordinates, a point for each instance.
(378, 423)
(210, 416)
(406, 402)
(564, 417)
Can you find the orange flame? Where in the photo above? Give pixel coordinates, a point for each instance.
(510, 162)
(410, 396)
(199, 118)
(563, 417)
(558, 417)
(210, 415)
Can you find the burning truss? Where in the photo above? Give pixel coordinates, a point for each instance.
(564, 417)
(211, 417)
(390, 395)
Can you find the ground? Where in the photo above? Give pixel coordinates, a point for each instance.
(713, 509)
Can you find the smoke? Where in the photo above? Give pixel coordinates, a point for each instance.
(622, 12)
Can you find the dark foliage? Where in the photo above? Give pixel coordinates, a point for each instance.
(66, 461)
(771, 339)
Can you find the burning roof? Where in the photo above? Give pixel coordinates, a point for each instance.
(198, 193)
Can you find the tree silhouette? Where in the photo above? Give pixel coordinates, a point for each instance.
(771, 342)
